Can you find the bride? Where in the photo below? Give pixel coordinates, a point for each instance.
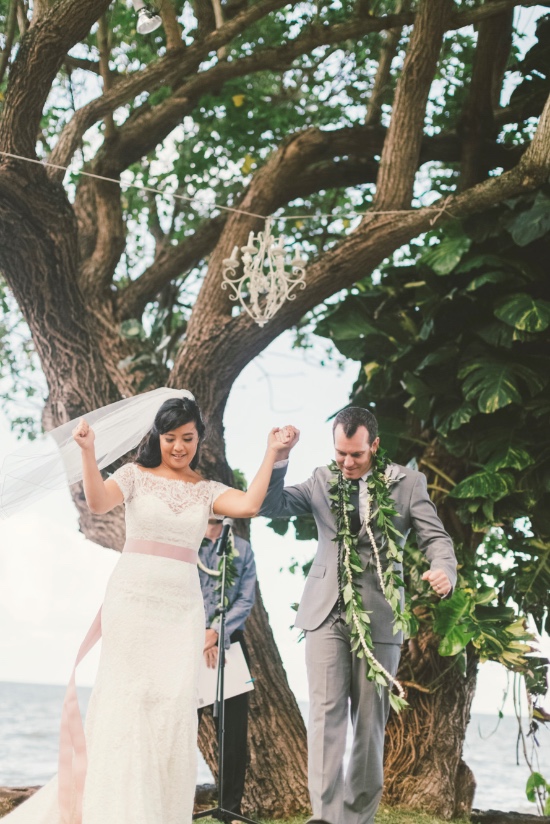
(136, 763)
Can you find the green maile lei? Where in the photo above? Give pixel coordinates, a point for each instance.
(230, 571)
(380, 509)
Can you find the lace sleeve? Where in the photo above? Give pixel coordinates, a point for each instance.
(125, 478)
(216, 489)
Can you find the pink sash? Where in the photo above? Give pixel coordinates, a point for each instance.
(72, 745)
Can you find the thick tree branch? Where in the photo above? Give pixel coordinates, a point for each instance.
(170, 263)
(96, 271)
(352, 163)
(86, 65)
(477, 123)
(104, 57)
(401, 152)
(234, 342)
(40, 55)
(166, 71)
(172, 70)
(11, 25)
(388, 50)
(172, 28)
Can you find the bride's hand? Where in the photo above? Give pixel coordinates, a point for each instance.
(282, 440)
(84, 435)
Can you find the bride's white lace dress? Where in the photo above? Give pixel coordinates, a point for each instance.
(141, 724)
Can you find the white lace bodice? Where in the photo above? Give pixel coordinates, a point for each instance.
(166, 510)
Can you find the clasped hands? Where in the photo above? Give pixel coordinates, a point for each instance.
(283, 439)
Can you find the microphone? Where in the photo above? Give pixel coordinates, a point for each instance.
(221, 543)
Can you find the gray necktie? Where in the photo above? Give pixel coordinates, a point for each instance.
(354, 517)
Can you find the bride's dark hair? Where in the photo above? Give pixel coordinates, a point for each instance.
(172, 414)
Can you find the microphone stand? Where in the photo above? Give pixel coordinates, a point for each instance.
(219, 812)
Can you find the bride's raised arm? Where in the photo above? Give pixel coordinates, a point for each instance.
(237, 504)
(101, 496)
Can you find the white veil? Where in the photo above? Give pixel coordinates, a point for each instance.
(54, 460)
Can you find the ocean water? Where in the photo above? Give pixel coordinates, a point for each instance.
(29, 734)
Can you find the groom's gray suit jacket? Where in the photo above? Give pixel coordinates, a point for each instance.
(415, 511)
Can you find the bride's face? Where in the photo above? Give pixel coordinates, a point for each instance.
(178, 447)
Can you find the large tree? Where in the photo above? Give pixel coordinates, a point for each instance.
(375, 107)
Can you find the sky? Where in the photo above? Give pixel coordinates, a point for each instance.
(52, 579)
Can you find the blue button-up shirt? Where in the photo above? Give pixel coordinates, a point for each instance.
(240, 596)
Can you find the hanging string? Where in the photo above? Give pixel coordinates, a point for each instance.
(438, 209)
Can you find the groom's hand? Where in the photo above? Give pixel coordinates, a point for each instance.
(438, 581)
(287, 437)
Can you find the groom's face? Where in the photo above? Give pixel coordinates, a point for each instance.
(354, 455)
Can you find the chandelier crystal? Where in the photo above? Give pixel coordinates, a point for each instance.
(265, 284)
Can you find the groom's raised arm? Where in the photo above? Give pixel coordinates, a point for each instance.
(285, 501)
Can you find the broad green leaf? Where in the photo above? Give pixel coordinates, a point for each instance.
(494, 617)
(450, 611)
(534, 782)
(455, 641)
(454, 420)
(525, 313)
(472, 262)
(488, 277)
(441, 355)
(448, 253)
(491, 383)
(492, 485)
(484, 595)
(420, 393)
(511, 457)
(350, 321)
(279, 525)
(532, 224)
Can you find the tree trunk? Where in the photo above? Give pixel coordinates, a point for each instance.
(423, 761)
(276, 731)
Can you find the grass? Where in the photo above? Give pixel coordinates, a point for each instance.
(385, 815)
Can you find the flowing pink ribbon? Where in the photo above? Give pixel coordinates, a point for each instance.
(73, 760)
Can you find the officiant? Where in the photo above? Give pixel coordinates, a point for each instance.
(240, 596)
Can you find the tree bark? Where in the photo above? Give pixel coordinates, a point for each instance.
(423, 759)
(423, 756)
(276, 731)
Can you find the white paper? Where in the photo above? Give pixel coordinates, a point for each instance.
(237, 677)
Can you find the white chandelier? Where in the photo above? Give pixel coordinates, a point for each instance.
(265, 284)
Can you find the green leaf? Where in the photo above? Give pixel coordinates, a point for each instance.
(531, 224)
(455, 641)
(454, 420)
(511, 457)
(492, 383)
(477, 261)
(450, 611)
(484, 595)
(488, 277)
(279, 525)
(534, 782)
(524, 312)
(397, 703)
(448, 253)
(492, 485)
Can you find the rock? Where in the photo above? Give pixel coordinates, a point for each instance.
(496, 817)
(10, 797)
(206, 796)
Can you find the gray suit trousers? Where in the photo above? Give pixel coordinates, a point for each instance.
(335, 675)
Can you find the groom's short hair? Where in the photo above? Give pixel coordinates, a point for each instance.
(352, 417)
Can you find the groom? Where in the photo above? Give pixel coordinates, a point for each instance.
(336, 676)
